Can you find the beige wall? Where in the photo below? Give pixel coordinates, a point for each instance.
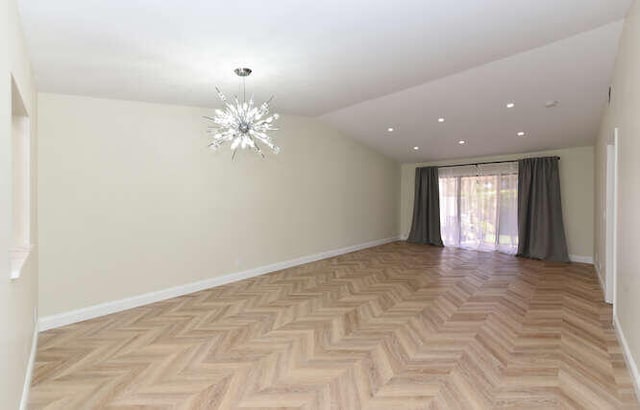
(576, 180)
(18, 298)
(624, 114)
(132, 201)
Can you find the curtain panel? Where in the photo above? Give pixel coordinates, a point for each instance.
(425, 228)
(540, 225)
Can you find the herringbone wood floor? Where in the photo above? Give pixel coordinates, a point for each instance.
(398, 326)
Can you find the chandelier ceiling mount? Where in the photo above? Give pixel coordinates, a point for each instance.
(243, 71)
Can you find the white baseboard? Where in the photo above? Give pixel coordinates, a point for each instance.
(572, 258)
(628, 357)
(29, 373)
(581, 259)
(90, 312)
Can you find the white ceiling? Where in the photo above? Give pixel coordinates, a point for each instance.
(574, 71)
(322, 56)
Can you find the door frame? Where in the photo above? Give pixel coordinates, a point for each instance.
(611, 220)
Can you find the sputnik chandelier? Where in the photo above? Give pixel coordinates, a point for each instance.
(243, 124)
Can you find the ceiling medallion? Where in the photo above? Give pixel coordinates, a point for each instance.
(243, 124)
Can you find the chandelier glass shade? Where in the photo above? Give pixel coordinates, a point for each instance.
(244, 125)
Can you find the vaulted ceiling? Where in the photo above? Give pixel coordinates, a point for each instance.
(361, 65)
(571, 75)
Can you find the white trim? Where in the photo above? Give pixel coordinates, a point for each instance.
(572, 258)
(601, 281)
(581, 259)
(613, 280)
(90, 312)
(628, 357)
(29, 373)
(610, 218)
(18, 257)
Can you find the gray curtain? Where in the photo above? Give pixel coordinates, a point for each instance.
(540, 226)
(426, 208)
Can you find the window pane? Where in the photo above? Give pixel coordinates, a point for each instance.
(449, 211)
(480, 211)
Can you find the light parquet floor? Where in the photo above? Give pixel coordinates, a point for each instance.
(393, 327)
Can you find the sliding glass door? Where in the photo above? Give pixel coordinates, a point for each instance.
(479, 207)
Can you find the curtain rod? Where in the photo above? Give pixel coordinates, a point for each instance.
(483, 163)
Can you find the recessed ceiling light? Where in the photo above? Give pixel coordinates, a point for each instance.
(511, 105)
(521, 134)
(391, 129)
(462, 142)
(440, 119)
(416, 148)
